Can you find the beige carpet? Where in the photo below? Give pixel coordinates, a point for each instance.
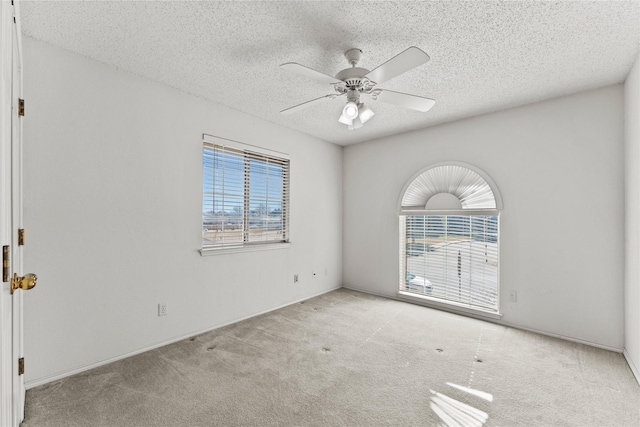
(351, 359)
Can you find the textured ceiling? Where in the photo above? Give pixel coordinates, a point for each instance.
(485, 56)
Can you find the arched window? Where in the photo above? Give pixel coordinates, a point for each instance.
(449, 237)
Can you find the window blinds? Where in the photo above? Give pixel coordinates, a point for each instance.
(245, 197)
(453, 258)
(470, 187)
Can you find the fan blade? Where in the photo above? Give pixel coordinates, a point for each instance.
(305, 104)
(308, 72)
(401, 63)
(405, 100)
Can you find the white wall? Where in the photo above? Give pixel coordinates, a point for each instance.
(113, 215)
(559, 167)
(632, 219)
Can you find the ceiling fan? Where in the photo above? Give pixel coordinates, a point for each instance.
(356, 81)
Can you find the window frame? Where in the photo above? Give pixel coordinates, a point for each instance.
(419, 207)
(248, 152)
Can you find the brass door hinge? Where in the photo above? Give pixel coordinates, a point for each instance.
(5, 263)
(21, 366)
(20, 236)
(21, 107)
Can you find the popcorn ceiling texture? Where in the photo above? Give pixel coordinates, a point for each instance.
(485, 56)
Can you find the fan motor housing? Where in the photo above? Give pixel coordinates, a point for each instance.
(352, 76)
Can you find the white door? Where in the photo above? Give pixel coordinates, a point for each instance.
(12, 391)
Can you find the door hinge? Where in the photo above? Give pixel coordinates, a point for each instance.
(21, 107)
(5, 263)
(20, 236)
(21, 366)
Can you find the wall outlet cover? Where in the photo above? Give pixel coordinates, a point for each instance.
(162, 309)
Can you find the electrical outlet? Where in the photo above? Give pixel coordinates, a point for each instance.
(513, 296)
(295, 278)
(162, 309)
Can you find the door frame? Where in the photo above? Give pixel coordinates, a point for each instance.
(12, 389)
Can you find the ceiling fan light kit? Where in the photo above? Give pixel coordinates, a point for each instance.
(355, 81)
(365, 113)
(345, 120)
(356, 124)
(350, 110)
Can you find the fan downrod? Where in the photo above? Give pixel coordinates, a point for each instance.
(353, 56)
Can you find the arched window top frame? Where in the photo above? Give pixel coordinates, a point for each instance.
(473, 191)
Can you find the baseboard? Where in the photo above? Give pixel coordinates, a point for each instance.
(68, 373)
(496, 321)
(364, 291)
(564, 337)
(634, 368)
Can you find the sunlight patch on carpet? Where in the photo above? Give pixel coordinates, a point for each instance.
(481, 394)
(455, 413)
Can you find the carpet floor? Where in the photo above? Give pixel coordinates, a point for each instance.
(350, 359)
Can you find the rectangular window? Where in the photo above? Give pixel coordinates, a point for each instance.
(452, 258)
(245, 195)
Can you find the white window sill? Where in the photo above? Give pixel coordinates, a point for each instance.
(451, 306)
(247, 248)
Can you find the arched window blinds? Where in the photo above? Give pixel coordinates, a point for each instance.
(449, 238)
(469, 187)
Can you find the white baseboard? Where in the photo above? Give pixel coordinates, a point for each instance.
(496, 321)
(634, 368)
(68, 373)
(565, 338)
